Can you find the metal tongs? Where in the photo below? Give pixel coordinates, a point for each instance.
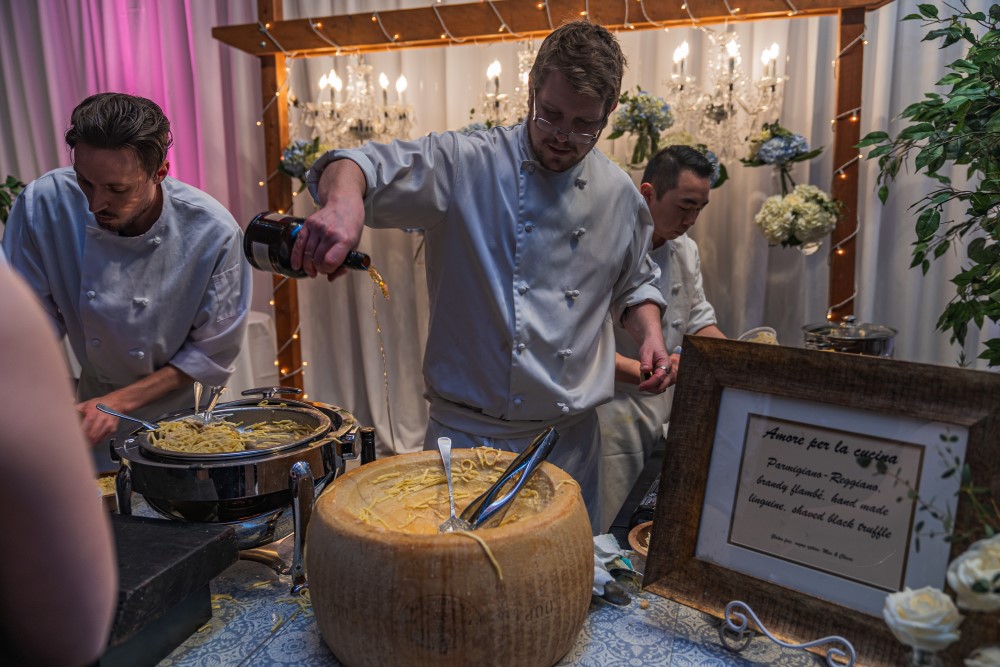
(487, 510)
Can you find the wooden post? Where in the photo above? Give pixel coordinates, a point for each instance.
(274, 98)
(847, 133)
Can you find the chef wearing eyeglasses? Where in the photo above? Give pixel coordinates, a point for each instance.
(534, 242)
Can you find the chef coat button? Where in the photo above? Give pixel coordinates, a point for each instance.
(521, 289)
(528, 227)
(530, 168)
(140, 301)
(577, 233)
(156, 240)
(520, 347)
(675, 288)
(518, 400)
(572, 293)
(563, 408)
(677, 324)
(95, 342)
(138, 354)
(565, 353)
(91, 294)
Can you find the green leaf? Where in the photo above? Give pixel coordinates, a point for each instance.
(883, 193)
(880, 150)
(949, 79)
(928, 224)
(873, 138)
(929, 11)
(917, 132)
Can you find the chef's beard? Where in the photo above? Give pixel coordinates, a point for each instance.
(130, 226)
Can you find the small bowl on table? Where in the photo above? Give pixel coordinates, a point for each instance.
(638, 537)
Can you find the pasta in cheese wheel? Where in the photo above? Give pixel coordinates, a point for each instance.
(513, 595)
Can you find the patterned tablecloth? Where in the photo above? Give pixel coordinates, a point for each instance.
(257, 622)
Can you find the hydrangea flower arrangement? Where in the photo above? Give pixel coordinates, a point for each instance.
(683, 138)
(645, 116)
(803, 217)
(778, 147)
(298, 157)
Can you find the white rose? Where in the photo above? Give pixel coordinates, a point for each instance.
(925, 618)
(975, 576)
(984, 657)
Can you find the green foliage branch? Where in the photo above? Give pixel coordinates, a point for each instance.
(9, 190)
(959, 127)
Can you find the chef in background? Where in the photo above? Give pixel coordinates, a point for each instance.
(675, 185)
(535, 242)
(58, 576)
(143, 273)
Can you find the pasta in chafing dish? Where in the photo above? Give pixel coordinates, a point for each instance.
(194, 437)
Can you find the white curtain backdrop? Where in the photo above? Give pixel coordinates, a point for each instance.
(364, 353)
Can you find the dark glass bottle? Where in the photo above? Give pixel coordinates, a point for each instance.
(367, 444)
(268, 241)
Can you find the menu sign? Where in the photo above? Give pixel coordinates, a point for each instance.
(804, 497)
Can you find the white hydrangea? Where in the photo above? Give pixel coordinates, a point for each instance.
(805, 215)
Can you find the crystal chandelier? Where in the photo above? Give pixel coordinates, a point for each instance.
(357, 112)
(497, 108)
(723, 116)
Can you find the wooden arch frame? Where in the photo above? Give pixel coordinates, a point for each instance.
(274, 39)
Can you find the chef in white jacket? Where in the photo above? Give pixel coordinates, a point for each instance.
(143, 273)
(675, 185)
(535, 242)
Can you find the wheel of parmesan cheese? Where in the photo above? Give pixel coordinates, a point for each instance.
(388, 589)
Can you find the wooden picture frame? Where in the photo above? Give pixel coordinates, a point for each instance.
(970, 400)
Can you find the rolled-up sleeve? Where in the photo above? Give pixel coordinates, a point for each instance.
(640, 276)
(409, 183)
(219, 327)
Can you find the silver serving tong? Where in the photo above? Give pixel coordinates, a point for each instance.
(214, 393)
(488, 508)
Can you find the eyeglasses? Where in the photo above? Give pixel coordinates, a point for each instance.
(573, 137)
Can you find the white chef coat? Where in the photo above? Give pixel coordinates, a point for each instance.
(178, 294)
(633, 422)
(526, 269)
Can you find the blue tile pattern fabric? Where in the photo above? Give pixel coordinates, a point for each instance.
(256, 621)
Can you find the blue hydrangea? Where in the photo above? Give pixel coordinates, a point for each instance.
(299, 156)
(714, 160)
(473, 127)
(779, 150)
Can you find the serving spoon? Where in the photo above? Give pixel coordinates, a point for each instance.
(453, 522)
(150, 426)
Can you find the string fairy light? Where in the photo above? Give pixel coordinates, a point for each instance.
(265, 29)
(840, 171)
(850, 114)
(548, 12)
(687, 7)
(642, 6)
(313, 25)
(732, 12)
(377, 19)
(860, 38)
(445, 28)
(503, 24)
(792, 9)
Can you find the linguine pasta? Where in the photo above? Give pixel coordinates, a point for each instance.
(417, 501)
(191, 436)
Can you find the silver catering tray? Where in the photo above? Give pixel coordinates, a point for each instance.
(245, 415)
